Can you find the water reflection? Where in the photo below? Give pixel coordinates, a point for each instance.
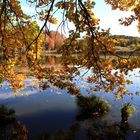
(92, 126)
(103, 131)
(50, 116)
(10, 128)
(70, 134)
(52, 60)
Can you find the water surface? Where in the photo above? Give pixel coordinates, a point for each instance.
(53, 112)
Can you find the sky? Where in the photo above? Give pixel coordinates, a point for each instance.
(108, 19)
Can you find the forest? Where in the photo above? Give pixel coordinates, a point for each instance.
(55, 40)
(21, 41)
(127, 41)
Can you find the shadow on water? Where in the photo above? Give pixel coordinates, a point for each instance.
(10, 128)
(89, 124)
(45, 116)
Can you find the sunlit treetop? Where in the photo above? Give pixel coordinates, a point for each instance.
(21, 44)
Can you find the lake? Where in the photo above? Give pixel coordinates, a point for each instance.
(53, 113)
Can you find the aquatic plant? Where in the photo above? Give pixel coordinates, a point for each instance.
(92, 105)
(127, 110)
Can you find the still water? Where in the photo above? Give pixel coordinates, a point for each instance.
(52, 113)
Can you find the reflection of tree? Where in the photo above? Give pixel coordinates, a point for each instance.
(104, 131)
(95, 130)
(90, 124)
(50, 60)
(10, 128)
(63, 135)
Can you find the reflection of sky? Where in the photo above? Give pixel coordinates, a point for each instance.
(7, 92)
(32, 85)
(53, 109)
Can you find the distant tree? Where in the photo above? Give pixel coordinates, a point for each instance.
(54, 40)
(21, 37)
(126, 41)
(58, 38)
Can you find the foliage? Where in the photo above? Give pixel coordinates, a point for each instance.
(93, 130)
(127, 5)
(63, 135)
(21, 43)
(92, 106)
(53, 40)
(127, 41)
(127, 110)
(123, 45)
(17, 32)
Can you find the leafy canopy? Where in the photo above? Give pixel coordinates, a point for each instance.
(21, 44)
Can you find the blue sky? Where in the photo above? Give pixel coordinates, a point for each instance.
(108, 18)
